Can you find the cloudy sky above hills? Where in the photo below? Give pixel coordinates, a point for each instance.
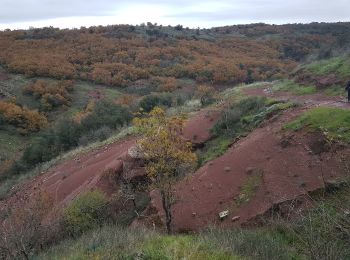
(16, 14)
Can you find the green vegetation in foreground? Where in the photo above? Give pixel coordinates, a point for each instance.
(290, 86)
(114, 242)
(337, 65)
(240, 119)
(183, 247)
(333, 122)
(321, 233)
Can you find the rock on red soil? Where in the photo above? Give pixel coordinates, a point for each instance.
(287, 165)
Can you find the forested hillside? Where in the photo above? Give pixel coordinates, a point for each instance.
(122, 55)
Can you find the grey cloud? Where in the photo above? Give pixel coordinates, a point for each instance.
(31, 10)
(255, 10)
(191, 11)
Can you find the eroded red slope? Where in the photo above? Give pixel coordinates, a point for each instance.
(287, 165)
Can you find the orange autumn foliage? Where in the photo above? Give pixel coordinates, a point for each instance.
(24, 119)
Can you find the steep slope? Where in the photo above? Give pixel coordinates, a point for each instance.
(266, 170)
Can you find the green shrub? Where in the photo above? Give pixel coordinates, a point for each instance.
(231, 123)
(151, 101)
(88, 211)
(106, 113)
(290, 86)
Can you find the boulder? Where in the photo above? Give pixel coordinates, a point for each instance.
(135, 152)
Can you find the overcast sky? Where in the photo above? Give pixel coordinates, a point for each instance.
(19, 14)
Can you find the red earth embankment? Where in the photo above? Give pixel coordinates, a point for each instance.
(197, 128)
(280, 166)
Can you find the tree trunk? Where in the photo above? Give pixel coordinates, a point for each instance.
(167, 209)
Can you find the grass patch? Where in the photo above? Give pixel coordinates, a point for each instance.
(252, 244)
(109, 242)
(183, 247)
(213, 149)
(333, 122)
(335, 90)
(114, 242)
(321, 233)
(296, 89)
(337, 65)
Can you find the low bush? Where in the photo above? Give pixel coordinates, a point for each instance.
(51, 95)
(23, 230)
(231, 121)
(151, 101)
(98, 135)
(25, 120)
(107, 114)
(88, 211)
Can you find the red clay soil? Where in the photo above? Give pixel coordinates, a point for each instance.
(288, 166)
(68, 179)
(197, 129)
(85, 172)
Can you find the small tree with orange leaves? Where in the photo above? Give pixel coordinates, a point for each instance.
(168, 156)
